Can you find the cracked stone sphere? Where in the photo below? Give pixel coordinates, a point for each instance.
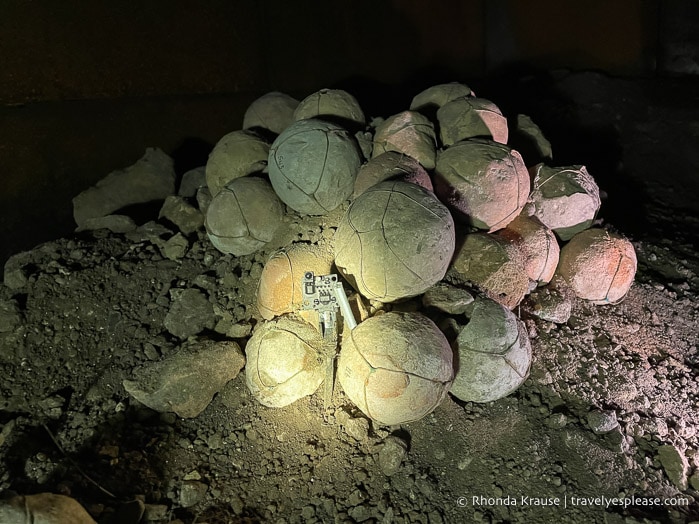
(492, 354)
(284, 361)
(396, 367)
(395, 241)
(391, 165)
(565, 199)
(484, 181)
(469, 117)
(243, 216)
(331, 104)
(235, 155)
(599, 266)
(409, 133)
(281, 284)
(273, 112)
(431, 99)
(313, 165)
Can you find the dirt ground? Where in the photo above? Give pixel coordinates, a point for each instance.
(85, 313)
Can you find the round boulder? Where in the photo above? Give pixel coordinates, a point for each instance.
(565, 199)
(428, 101)
(280, 288)
(599, 266)
(284, 361)
(391, 166)
(396, 367)
(272, 112)
(492, 352)
(331, 104)
(312, 166)
(410, 133)
(469, 117)
(243, 216)
(538, 245)
(236, 155)
(484, 181)
(395, 241)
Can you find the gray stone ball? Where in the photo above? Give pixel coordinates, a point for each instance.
(492, 352)
(395, 241)
(243, 216)
(331, 104)
(235, 155)
(313, 165)
(273, 112)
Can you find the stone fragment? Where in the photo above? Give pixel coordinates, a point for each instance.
(553, 302)
(675, 465)
(186, 381)
(391, 455)
(151, 178)
(114, 223)
(602, 421)
(357, 428)
(191, 181)
(447, 298)
(9, 316)
(191, 493)
(190, 313)
(186, 217)
(43, 508)
(14, 276)
(175, 247)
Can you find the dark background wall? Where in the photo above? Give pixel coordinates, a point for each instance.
(86, 86)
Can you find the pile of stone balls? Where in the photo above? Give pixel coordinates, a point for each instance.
(442, 213)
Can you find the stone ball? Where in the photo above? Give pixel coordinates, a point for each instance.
(599, 266)
(272, 112)
(280, 289)
(538, 245)
(431, 99)
(394, 241)
(484, 181)
(565, 199)
(391, 166)
(494, 265)
(331, 104)
(243, 216)
(312, 166)
(284, 361)
(408, 132)
(470, 117)
(492, 354)
(396, 367)
(236, 155)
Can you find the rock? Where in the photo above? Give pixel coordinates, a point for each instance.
(470, 117)
(14, 276)
(273, 112)
(391, 454)
(9, 316)
(357, 428)
(191, 493)
(189, 314)
(235, 155)
(175, 247)
(192, 180)
(447, 298)
(694, 481)
(675, 465)
(391, 165)
(185, 216)
(187, 381)
(409, 133)
(114, 223)
(528, 139)
(331, 104)
(151, 178)
(553, 302)
(602, 421)
(45, 508)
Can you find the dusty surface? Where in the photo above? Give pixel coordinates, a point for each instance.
(94, 310)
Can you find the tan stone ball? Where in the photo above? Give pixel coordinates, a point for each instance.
(394, 241)
(494, 265)
(492, 354)
(280, 289)
(484, 181)
(391, 166)
(284, 361)
(237, 154)
(273, 112)
(331, 104)
(565, 199)
(410, 133)
(243, 216)
(396, 367)
(599, 266)
(470, 117)
(538, 245)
